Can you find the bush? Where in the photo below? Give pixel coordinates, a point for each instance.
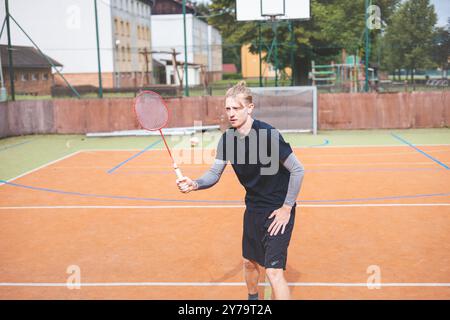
(232, 76)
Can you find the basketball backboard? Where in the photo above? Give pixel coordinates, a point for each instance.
(251, 10)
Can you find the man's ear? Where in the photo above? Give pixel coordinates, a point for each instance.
(250, 107)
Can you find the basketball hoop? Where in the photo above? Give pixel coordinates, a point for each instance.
(273, 9)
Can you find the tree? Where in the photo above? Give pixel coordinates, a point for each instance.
(202, 11)
(409, 36)
(441, 49)
(334, 25)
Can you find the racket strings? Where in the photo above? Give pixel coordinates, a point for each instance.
(151, 112)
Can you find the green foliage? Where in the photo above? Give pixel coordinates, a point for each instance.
(335, 25)
(202, 11)
(232, 76)
(441, 47)
(409, 36)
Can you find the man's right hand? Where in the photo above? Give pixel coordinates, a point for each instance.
(186, 185)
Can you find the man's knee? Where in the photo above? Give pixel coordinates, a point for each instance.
(275, 275)
(250, 265)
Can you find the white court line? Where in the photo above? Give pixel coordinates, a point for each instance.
(301, 147)
(306, 164)
(216, 284)
(228, 206)
(43, 166)
(370, 146)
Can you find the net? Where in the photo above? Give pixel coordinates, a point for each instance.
(151, 111)
(287, 108)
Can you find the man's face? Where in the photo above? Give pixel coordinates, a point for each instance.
(237, 112)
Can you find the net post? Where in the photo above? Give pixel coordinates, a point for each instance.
(315, 107)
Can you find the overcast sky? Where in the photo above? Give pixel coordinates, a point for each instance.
(442, 9)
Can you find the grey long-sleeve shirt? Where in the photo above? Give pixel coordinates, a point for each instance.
(292, 164)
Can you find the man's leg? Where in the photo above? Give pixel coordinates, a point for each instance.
(279, 284)
(251, 274)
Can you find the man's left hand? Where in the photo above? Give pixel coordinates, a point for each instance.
(282, 217)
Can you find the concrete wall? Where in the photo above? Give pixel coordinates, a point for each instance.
(26, 117)
(336, 111)
(384, 111)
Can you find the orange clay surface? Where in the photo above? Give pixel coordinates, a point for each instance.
(134, 236)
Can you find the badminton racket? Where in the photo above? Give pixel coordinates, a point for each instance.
(153, 115)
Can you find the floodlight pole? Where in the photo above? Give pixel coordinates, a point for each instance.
(10, 57)
(259, 52)
(100, 85)
(186, 85)
(275, 42)
(366, 84)
(291, 29)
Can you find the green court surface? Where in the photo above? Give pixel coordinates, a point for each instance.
(22, 154)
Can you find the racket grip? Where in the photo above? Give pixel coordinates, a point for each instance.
(177, 171)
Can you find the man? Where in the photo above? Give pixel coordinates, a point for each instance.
(255, 150)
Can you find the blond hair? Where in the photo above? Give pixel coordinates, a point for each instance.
(240, 91)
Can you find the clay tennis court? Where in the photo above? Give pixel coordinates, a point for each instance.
(120, 221)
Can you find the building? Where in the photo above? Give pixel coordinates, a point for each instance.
(132, 43)
(204, 42)
(250, 65)
(32, 72)
(229, 68)
(66, 30)
(172, 7)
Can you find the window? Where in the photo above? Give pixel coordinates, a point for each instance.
(123, 54)
(116, 26)
(34, 76)
(118, 54)
(143, 33)
(129, 53)
(122, 29)
(45, 76)
(128, 28)
(139, 32)
(24, 77)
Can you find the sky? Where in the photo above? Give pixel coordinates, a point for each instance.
(442, 8)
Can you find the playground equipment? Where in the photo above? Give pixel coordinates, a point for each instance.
(347, 77)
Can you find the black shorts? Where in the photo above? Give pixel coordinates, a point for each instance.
(258, 245)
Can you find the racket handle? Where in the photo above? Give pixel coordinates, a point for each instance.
(177, 171)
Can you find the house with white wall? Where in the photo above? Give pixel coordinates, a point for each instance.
(203, 42)
(66, 31)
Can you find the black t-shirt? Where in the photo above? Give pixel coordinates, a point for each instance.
(255, 159)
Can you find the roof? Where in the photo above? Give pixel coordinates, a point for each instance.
(180, 63)
(26, 57)
(229, 68)
(158, 63)
(171, 7)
